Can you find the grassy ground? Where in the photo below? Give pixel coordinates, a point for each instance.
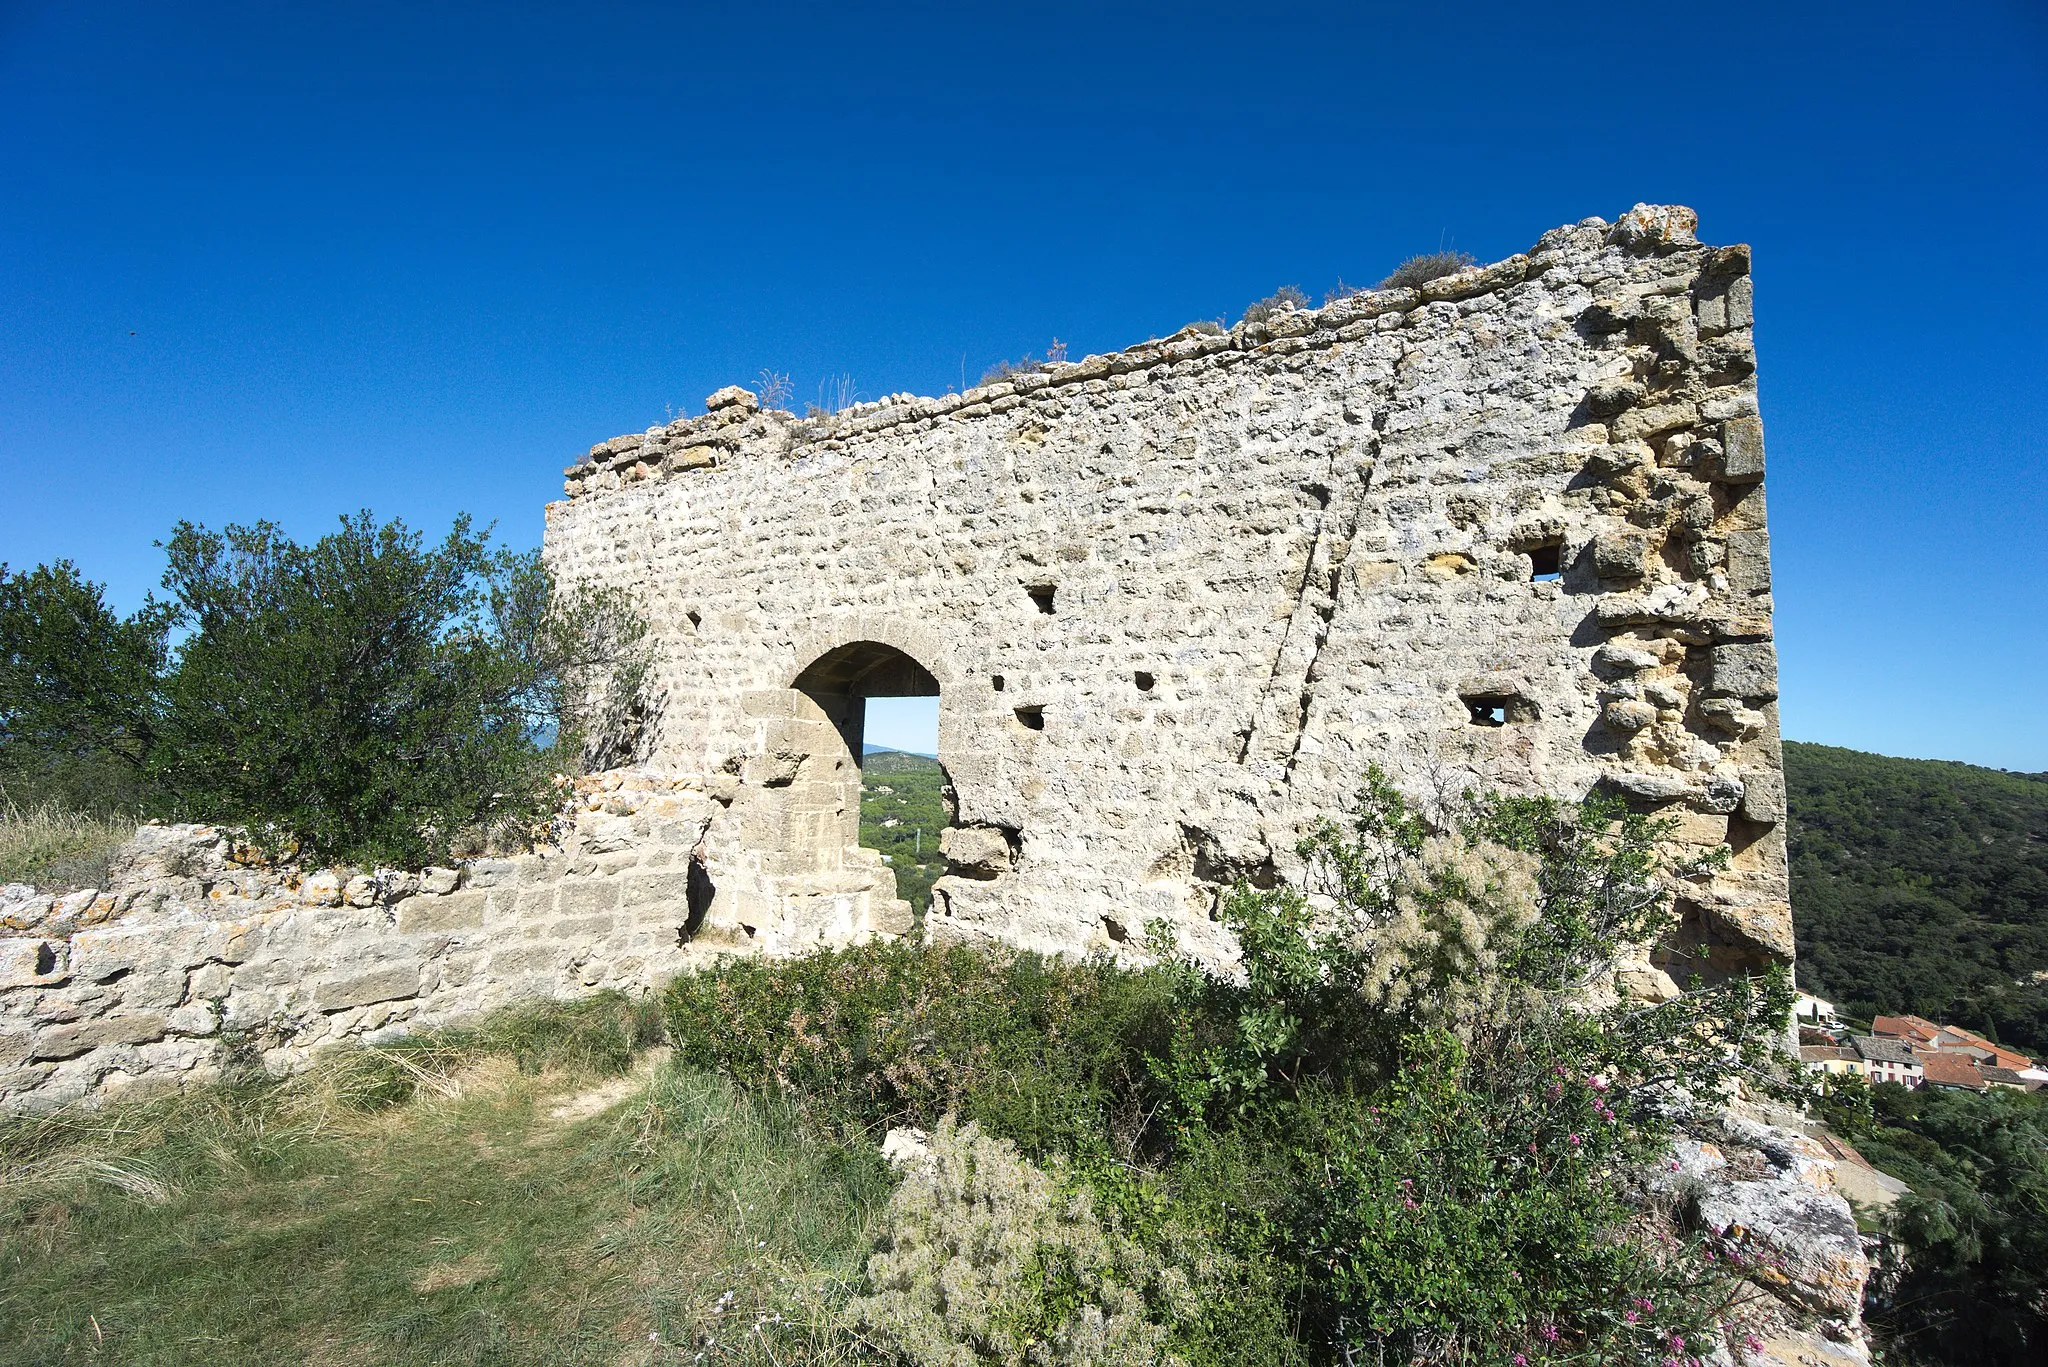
(563, 1213)
(908, 790)
(54, 848)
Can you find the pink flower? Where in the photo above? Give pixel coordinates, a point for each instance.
(1628, 1317)
(1677, 1344)
(1549, 1332)
(1521, 1361)
(1598, 1084)
(1572, 1139)
(1753, 1343)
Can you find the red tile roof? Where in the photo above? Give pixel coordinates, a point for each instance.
(1905, 1027)
(1952, 1070)
(2001, 1056)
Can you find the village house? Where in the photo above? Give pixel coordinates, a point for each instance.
(1888, 1060)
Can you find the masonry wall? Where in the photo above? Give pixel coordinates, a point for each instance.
(189, 957)
(1272, 556)
(1276, 556)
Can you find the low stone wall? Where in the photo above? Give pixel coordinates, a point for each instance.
(190, 952)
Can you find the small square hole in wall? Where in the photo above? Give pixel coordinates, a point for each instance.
(1488, 711)
(1546, 562)
(996, 682)
(1143, 680)
(1032, 718)
(696, 621)
(1042, 595)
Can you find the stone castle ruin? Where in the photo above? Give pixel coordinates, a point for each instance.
(1504, 529)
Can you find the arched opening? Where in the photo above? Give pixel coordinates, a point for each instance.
(884, 704)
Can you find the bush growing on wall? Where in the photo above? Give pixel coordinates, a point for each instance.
(368, 696)
(1407, 1128)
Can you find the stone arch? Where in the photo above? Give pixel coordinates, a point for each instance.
(923, 646)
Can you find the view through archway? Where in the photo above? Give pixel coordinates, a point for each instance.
(886, 708)
(906, 798)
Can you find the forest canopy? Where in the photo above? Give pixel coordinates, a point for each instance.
(1921, 886)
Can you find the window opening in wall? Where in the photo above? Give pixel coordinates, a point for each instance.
(1488, 711)
(1546, 562)
(1143, 680)
(996, 682)
(1032, 717)
(695, 620)
(1041, 594)
(1497, 709)
(883, 789)
(906, 798)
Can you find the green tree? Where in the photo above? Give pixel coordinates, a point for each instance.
(1965, 1274)
(370, 696)
(79, 690)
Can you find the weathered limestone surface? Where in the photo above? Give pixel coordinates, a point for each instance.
(188, 954)
(1174, 601)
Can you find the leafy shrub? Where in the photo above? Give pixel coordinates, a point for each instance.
(883, 1034)
(1406, 1127)
(1420, 270)
(1966, 1279)
(1279, 301)
(77, 691)
(987, 1260)
(366, 697)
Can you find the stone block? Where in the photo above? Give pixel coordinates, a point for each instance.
(581, 929)
(582, 897)
(1749, 561)
(492, 873)
(378, 985)
(1640, 423)
(321, 890)
(1742, 450)
(439, 882)
(427, 914)
(1621, 555)
(524, 959)
(1745, 669)
(156, 988)
(196, 1019)
(655, 889)
(208, 982)
(1763, 796)
(69, 1041)
(32, 963)
(981, 848)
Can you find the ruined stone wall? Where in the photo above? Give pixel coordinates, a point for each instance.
(1176, 600)
(189, 959)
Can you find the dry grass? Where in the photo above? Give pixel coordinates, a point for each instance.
(1420, 270)
(437, 1204)
(58, 849)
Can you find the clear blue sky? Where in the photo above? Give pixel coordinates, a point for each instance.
(282, 261)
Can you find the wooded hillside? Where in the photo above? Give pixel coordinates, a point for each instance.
(1922, 886)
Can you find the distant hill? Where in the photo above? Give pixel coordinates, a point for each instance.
(880, 759)
(1921, 886)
